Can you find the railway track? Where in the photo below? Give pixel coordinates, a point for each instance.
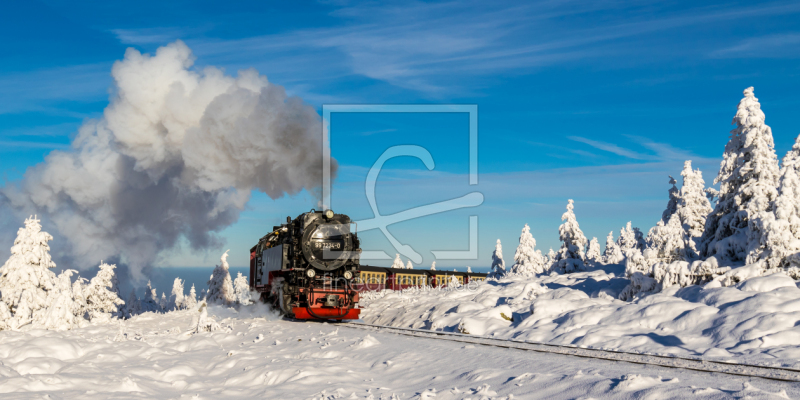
(697, 364)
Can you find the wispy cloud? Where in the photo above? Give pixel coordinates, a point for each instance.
(611, 148)
(771, 46)
(33, 90)
(10, 146)
(369, 133)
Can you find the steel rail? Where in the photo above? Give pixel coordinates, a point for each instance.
(690, 363)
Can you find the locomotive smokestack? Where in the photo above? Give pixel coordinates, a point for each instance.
(176, 154)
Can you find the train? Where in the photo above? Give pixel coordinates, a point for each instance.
(309, 268)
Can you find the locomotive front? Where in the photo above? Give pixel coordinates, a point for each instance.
(305, 267)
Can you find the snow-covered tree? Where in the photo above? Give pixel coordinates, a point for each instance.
(672, 204)
(102, 302)
(469, 270)
(593, 251)
(748, 178)
(25, 278)
(612, 254)
(176, 299)
(220, 286)
(781, 243)
(409, 265)
(150, 302)
(433, 266)
(241, 287)
(498, 264)
(527, 260)
(570, 256)
(398, 263)
(164, 302)
(204, 322)
(63, 311)
(190, 301)
(667, 242)
(630, 238)
(132, 306)
(693, 204)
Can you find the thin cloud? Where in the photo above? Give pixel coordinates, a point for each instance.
(770, 46)
(611, 148)
(6, 146)
(369, 133)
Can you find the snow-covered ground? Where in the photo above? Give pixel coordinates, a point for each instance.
(253, 356)
(755, 321)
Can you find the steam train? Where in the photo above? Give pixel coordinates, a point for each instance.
(308, 268)
(305, 267)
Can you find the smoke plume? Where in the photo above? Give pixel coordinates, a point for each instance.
(176, 153)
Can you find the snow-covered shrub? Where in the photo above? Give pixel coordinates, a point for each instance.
(498, 264)
(693, 205)
(635, 262)
(190, 301)
(204, 322)
(25, 278)
(593, 252)
(570, 256)
(748, 178)
(612, 254)
(672, 204)
(398, 263)
(667, 243)
(102, 295)
(220, 286)
(176, 299)
(241, 288)
(527, 260)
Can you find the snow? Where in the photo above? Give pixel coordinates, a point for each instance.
(257, 355)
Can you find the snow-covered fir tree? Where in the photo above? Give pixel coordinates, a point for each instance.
(748, 178)
(176, 298)
(150, 302)
(164, 302)
(241, 287)
(498, 264)
(398, 263)
(781, 243)
(672, 204)
(190, 301)
(133, 305)
(220, 286)
(469, 270)
(630, 238)
(593, 254)
(102, 302)
(64, 312)
(570, 256)
(693, 204)
(25, 278)
(409, 265)
(549, 259)
(433, 266)
(527, 260)
(666, 243)
(612, 254)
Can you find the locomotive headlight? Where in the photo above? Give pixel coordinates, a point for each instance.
(348, 275)
(329, 214)
(311, 273)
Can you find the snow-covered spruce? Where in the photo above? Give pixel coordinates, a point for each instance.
(190, 301)
(748, 178)
(630, 238)
(409, 265)
(150, 302)
(693, 204)
(102, 295)
(433, 266)
(498, 264)
(570, 256)
(241, 288)
(398, 263)
(176, 299)
(667, 243)
(672, 204)
(593, 254)
(612, 254)
(527, 260)
(220, 286)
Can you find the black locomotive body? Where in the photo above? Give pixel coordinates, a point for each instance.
(306, 267)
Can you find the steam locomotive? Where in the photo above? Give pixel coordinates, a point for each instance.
(306, 267)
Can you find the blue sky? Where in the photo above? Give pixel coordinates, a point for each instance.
(595, 101)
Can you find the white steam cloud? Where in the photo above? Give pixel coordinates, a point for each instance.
(176, 153)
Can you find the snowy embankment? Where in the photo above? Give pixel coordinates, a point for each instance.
(156, 355)
(754, 321)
